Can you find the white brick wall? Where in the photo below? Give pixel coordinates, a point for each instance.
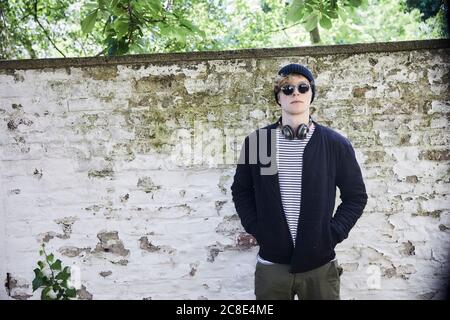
(3, 246)
(89, 150)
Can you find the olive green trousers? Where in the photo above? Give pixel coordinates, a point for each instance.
(275, 282)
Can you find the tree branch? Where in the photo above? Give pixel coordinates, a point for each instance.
(130, 29)
(285, 28)
(43, 29)
(315, 35)
(101, 52)
(153, 20)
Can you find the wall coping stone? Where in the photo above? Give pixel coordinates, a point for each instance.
(225, 55)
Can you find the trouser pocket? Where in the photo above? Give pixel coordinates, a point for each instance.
(273, 282)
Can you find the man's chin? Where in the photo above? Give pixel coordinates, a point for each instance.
(295, 111)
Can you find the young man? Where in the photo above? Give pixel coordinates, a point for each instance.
(289, 210)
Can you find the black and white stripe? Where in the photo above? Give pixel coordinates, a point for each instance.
(290, 164)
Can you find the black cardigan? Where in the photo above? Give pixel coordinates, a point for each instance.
(328, 161)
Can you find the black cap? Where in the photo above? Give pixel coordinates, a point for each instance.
(295, 68)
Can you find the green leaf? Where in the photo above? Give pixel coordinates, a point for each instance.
(163, 30)
(311, 22)
(310, 6)
(71, 293)
(343, 14)
(295, 11)
(88, 23)
(56, 265)
(41, 252)
(101, 4)
(91, 5)
(45, 294)
(355, 3)
(121, 27)
(46, 280)
(62, 275)
(114, 4)
(187, 24)
(38, 272)
(117, 47)
(186, 31)
(155, 5)
(179, 34)
(50, 258)
(39, 280)
(325, 22)
(202, 34)
(332, 14)
(37, 283)
(41, 265)
(117, 11)
(334, 4)
(56, 287)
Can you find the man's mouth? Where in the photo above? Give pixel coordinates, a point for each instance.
(296, 101)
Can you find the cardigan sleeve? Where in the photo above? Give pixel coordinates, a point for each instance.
(350, 182)
(243, 192)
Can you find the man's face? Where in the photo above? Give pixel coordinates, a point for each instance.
(296, 103)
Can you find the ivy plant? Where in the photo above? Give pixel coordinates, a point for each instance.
(53, 278)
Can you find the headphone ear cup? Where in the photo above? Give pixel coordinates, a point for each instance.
(302, 131)
(288, 133)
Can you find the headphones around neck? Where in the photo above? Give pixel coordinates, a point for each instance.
(300, 133)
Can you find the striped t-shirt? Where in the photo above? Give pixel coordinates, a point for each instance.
(290, 164)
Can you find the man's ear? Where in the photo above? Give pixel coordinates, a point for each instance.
(277, 97)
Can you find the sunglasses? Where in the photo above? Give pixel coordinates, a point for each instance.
(289, 89)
